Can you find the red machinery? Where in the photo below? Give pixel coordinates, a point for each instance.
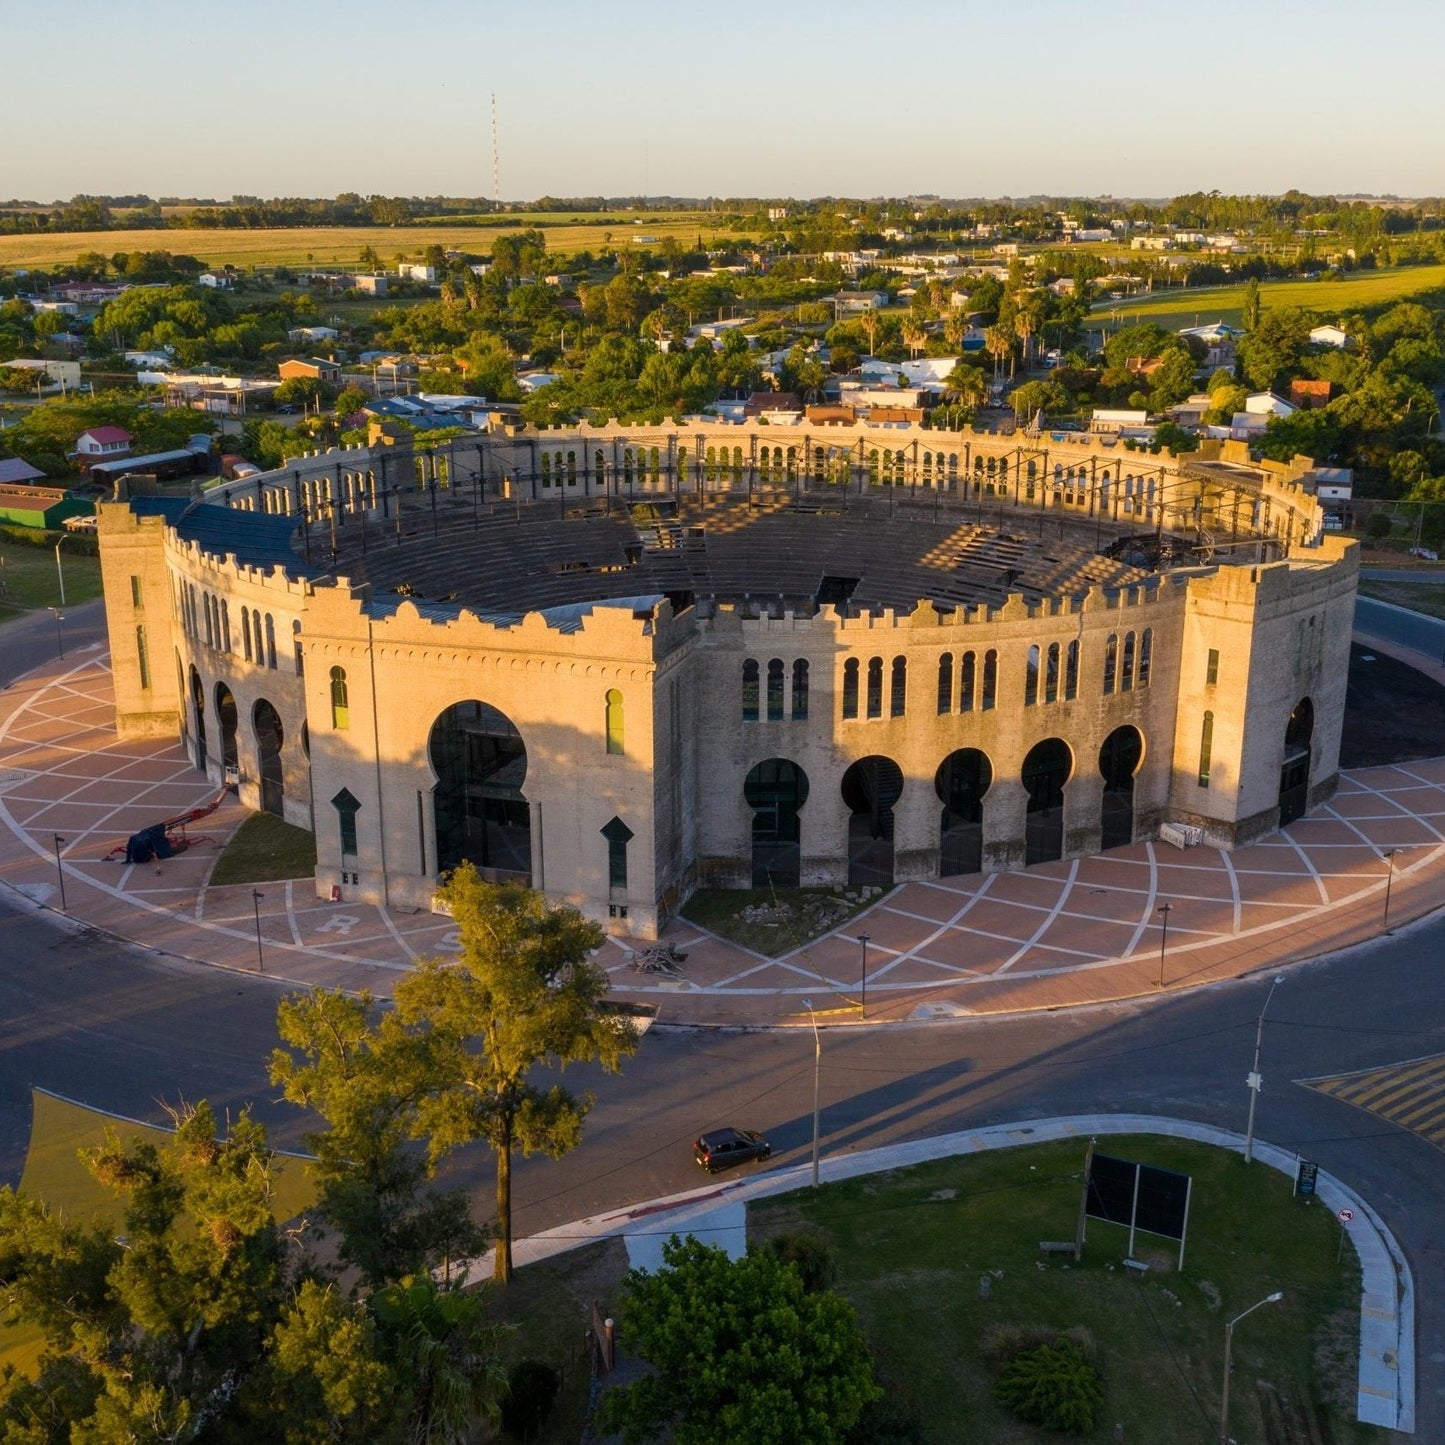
(165, 840)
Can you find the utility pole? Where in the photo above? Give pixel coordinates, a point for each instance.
(1254, 1081)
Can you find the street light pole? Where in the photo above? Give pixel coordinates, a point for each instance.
(1389, 879)
(1228, 1350)
(256, 897)
(1163, 912)
(60, 572)
(817, 1070)
(863, 939)
(1254, 1082)
(60, 872)
(59, 634)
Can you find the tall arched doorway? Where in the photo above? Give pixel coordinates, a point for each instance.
(226, 713)
(961, 781)
(776, 789)
(1119, 760)
(481, 814)
(1045, 772)
(266, 724)
(198, 718)
(1294, 773)
(870, 789)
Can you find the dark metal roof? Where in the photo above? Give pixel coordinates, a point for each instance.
(258, 539)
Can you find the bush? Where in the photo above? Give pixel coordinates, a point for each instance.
(1379, 525)
(1054, 1386)
(812, 1257)
(532, 1387)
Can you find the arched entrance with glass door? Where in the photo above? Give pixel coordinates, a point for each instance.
(482, 816)
(1045, 771)
(226, 714)
(870, 789)
(266, 724)
(776, 790)
(1119, 761)
(961, 781)
(1294, 773)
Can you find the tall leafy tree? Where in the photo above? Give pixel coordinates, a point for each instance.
(365, 1074)
(523, 995)
(741, 1351)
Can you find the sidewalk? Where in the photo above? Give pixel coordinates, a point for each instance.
(1085, 931)
(717, 1214)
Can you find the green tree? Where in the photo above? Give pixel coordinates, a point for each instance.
(741, 1351)
(1250, 308)
(365, 1075)
(523, 994)
(1033, 397)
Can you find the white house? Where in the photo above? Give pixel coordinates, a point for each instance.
(1266, 403)
(1116, 420)
(215, 280)
(415, 271)
(102, 443)
(1335, 336)
(64, 375)
(313, 333)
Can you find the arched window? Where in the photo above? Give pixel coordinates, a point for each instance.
(256, 630)
(800, 690)
(898, 689)
(1071, 671)
(210, 603)
(875, 687)
(750, 690)
(226, 626)
(1051, 673)
(270, 641)
(775, 690)
(1206, 746)
(965, 682)
(246, 631)
(1126, 674)
(1031, 678)
(945, 683)
(296, 645)
(1146, 655)
(614, 721)
(850, 687)
(340, 711)
(1111, 662)
(618, 836)
(990, 680)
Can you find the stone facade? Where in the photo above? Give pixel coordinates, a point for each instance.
(619, 751)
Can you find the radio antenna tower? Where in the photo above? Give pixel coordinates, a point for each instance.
(496, 157)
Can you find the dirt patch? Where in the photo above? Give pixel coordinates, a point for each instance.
(1393, 714)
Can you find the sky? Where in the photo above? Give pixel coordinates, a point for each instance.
(956, 98)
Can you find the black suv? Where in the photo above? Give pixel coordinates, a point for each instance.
(723, 1147)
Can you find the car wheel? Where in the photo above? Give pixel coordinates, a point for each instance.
(767, 1153)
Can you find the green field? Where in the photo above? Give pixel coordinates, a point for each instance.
(342, 245)
(1181, 307)
(935, 1257)
(29, 579)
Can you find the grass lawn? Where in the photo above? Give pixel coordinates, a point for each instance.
(1427, 595)
(266, 850)
(1175, 308)
(28, 577)
(773, 921)
(342, 245)
(934, 1256)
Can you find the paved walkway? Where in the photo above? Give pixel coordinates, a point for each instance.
(717, 1214)
(1084, 931)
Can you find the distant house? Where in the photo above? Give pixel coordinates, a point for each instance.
(310, 366)
(216, 280)
(371, 285)
(415, 271)
(39, 506)
(1266, 403)
(1335, 336)
(313, 333)
(17, 472)
(1308, 393)
(851, 303)
(780, 406)
(1112, 420)
(1190, 412)
(102, 444)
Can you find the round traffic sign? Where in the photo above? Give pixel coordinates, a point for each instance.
(1346, 1215)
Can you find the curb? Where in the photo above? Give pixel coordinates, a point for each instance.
(1385, 1391)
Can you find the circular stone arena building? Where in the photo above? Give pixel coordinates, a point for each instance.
(619, 663)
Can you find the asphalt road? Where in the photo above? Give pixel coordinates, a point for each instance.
(113, 1027)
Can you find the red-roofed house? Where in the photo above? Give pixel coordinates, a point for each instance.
(102, 443)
